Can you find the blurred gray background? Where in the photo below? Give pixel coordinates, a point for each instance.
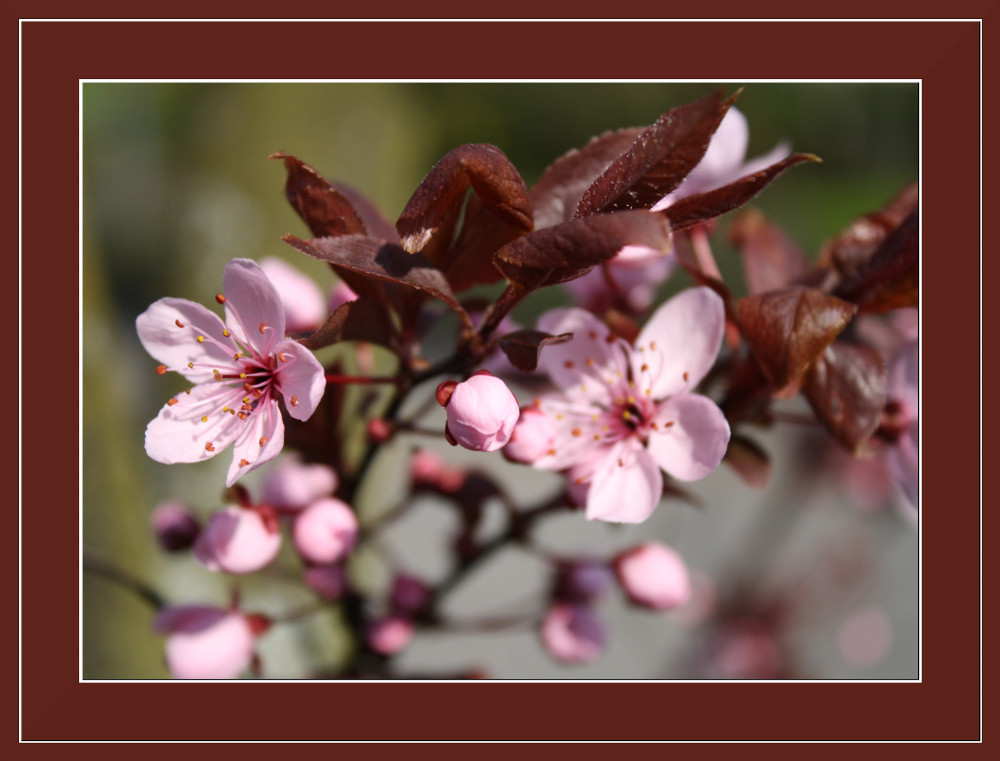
(177, 182)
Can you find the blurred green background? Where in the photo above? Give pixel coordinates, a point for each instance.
(177, 181)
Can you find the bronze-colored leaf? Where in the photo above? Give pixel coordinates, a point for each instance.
(890, 279)
(659, 160)
(358, 320)
(790, 328)
(374, 220)
(325, 210)
(557, 193)
(522, 347)
(703, 206)
(749, 460)
(848, 253)
(846, 388)
(427, 223)
(469, 261)
(380, 260)
(771, 259)
(571, 249)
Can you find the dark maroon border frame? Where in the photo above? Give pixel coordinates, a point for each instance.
(945, 706)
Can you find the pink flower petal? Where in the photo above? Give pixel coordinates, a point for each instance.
(177, 345)
(680, 342)
(259, 440)
(903, 459)
(690, 438)
(292, 484)
(253, 308)
(301, 298)
(178, 434)
(236, 540)
(904, 377)
(482, 413)
(626, 486)
(579, 364)
(573, 634)
(654, 575)
(300, 378)
(205, 642)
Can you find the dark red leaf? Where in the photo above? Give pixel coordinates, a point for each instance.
(469, 261)
(846, 388)
(890, 279)
(661, 157)
(703, 206)
(324, 210)
(358, 320)
(790, 328)
(771, 259)
(522, 347)
(557, 193)
(749, 460)
(427, 222)
(571, 249)
(380, 260)
(848, 253)
(374, 220)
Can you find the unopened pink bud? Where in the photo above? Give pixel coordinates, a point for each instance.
(325, 531)
(328, 581)
(582, 581)
(408, 594)
(238, 540)
(533, 437)
(174, 526)
(654, 575)
(379, 430)
(390, 635)
(427, 468)
(482, 413)
(292, 484)
(205, 642)
(573, 634)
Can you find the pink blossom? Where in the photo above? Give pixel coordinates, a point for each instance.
(572, 633)
(625, 413)
(903, 455)
(299, 294)
(654, 575)
(724, 162)
(325, 531)
(238, 540)
(865, 636)
(328, 581)
(482, 413)
(533, 436)
(292, 484)
(241, 368)
(390, 635)
(340, 294)
(427, 468)
(174, 525)
(204, 642)
(635, 273)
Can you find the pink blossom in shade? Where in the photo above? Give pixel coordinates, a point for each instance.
(328, 581)
(408, 594)
(581, 581)
(654, 576)
(389, 635)
(903, 455)
(292, 484)
(482, 413)
(238, 540)
(724, 162)
(241, 368)
(325, 532)
(299, 294)
(634, 275)
(205, 642)
(624, 413)
(745, 650)
(427, 468)
(865, 636)
(533, 436)
(572, 633)
(174, 525)
(340, 294)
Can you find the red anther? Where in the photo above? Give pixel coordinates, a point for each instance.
(209, 447)
(444, 392)
(294, 401)
(171, 402)
(568, 364)
(243, 415)
(220, 298)
(263, 440)
(263, 327)
(282, 357)
(244, 463)
(161, 369)
(178, 323)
